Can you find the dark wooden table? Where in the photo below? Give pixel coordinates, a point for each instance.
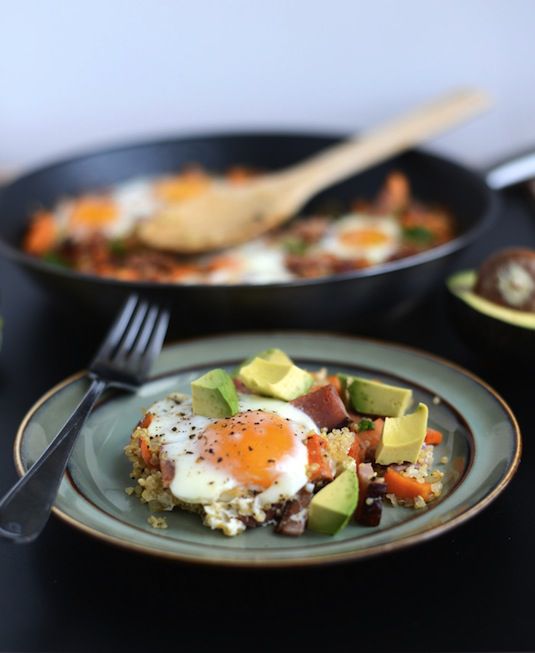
(468, 590)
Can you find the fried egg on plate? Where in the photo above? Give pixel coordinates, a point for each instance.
(235, 466)
(374, 238)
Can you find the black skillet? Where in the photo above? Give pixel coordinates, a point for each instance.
(340, 301)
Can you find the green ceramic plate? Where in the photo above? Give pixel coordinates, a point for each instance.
(482, 443)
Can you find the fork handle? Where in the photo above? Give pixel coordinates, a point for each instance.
(25, 509)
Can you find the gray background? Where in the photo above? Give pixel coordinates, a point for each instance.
(75, 74)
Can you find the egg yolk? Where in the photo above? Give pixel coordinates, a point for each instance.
(184, 186)
(363, 237)
(248, 446)
(93, 212)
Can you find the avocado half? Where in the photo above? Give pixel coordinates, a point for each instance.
(497, 333)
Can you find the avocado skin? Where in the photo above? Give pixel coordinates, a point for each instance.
(496, 341)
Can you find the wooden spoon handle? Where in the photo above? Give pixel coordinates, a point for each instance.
(381, 143)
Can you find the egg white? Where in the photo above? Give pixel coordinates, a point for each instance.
(255, 262)
(135, 201)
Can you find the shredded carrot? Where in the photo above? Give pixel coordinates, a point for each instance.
(433, 436)
(144, 443)
(41, 234)
(148, 456)
(404, 487)
(320, 467)
(146, 421)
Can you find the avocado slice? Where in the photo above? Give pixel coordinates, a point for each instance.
(402, 437)
(497, 333)
(272, 354)
(283, 381)
(214, 395)
(376, 398)
(331, 508)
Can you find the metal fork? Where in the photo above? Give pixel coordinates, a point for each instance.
(123, 361)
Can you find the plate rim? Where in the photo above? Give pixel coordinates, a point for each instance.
(330, 558)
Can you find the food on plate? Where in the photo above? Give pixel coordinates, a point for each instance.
(494, 308)
(251, 455)
(97, 233)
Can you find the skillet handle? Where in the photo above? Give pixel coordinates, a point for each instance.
(512, 171)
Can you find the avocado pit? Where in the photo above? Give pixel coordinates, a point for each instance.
(508, 279)
(489, 307)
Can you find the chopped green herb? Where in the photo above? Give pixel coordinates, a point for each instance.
(55, 259)
(418, 235)
(366, 425)
(117, 247)
(295, 246)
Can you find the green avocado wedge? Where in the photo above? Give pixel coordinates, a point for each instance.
(497, 333)
(280, 380)
(331, 508)
(214, 395)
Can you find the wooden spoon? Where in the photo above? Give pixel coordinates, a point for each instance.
(227, 214)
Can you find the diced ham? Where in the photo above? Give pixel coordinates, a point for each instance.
(324, 406)
(295, 514)
(167, 467)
